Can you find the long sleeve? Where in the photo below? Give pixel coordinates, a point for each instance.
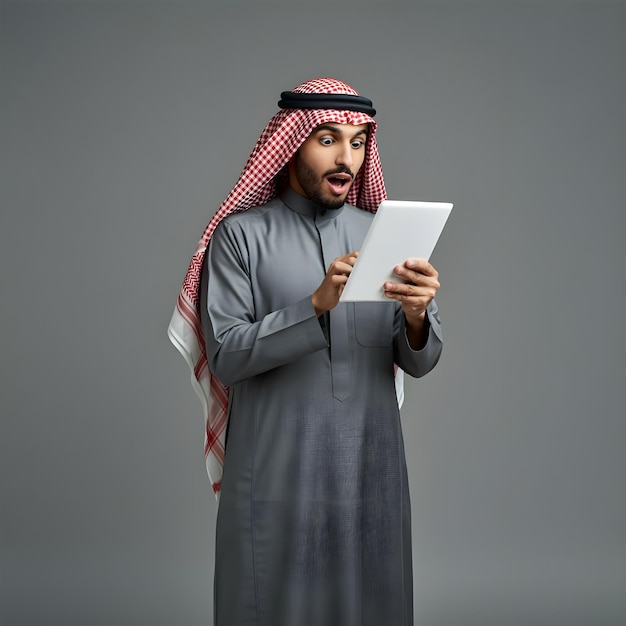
(238, 344)
(418, 363)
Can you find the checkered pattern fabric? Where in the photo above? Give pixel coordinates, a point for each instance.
(258, 183)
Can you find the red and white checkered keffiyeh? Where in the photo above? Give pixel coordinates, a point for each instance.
(257, 184)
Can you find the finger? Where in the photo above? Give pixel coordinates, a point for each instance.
(417, 278)
(349, 258)
(405, 292)
(420, 265)
(340, 267)
(346, 259)
(402, 289)
(339, 279)
(408, 299)
(408, 275)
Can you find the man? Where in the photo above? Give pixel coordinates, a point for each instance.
(314, 523)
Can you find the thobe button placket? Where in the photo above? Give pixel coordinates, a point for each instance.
(338, 317)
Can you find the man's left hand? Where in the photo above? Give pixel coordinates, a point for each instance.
(415, 295)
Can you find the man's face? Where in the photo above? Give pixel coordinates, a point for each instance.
(327, 163)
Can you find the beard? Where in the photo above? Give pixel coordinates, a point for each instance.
(312, 185)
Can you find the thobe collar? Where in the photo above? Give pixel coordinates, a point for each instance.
(304, 206)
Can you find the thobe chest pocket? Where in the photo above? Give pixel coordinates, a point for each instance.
(373, 323)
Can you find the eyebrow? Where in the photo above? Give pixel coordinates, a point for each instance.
(337, 130)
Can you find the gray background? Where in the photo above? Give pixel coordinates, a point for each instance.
(124, 125)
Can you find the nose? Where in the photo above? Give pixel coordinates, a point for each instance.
(345, 154)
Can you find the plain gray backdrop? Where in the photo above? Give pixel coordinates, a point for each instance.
(125, 124)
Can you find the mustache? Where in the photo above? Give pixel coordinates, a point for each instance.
(342, 169)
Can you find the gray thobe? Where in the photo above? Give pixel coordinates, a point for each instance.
(314, 522)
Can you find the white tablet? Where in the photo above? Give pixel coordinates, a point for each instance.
(400, 230)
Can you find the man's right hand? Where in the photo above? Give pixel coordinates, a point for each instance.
(327, 295)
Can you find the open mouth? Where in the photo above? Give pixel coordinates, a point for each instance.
(339, 183)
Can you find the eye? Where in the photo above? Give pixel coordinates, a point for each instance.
(326, 141)
(357, 143)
